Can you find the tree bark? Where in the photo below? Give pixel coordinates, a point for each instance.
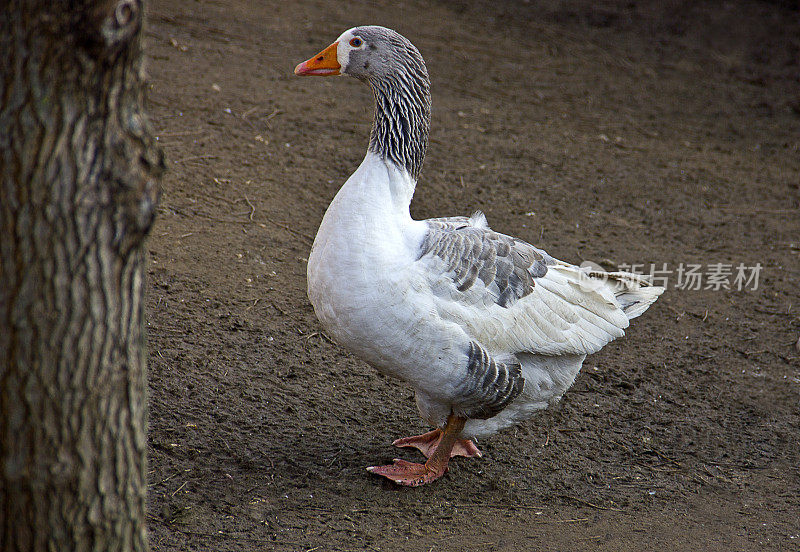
(78, 191)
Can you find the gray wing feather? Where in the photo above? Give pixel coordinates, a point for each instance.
(471, 251)
(489, 386)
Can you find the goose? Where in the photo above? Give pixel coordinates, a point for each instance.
(487, 328)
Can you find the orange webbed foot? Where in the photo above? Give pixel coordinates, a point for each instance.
(440, 446)
(427, 443)
(407, 473)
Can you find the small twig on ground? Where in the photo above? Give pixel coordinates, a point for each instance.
(179, 211)
(291, 230)
(788, 359)
(252, 208)
(195, 157)
(777, 313)
(321, 335)
(665, 457)
(220, 198)
(587, 503)
(679, 314)
(166, 479)
(179, 488)
(737, 466)
(181, 132)
(500, 506)
(548, 521)
(750, 211)
(275, 113)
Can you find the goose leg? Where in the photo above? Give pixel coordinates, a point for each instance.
(413, 474)
(427, 443)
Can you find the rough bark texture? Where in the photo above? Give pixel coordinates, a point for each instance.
(78, 192)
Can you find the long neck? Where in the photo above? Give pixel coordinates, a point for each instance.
(402, 119)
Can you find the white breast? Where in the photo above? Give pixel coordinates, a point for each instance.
(361, 279)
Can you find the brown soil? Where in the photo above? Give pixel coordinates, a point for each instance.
(634, 132)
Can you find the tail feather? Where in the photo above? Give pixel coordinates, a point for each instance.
(633, 292)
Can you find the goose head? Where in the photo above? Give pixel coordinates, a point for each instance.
(367, 53)
(395, 71)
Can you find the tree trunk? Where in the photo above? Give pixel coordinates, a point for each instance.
(78, 191)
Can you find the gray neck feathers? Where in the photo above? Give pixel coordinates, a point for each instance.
(402, 116)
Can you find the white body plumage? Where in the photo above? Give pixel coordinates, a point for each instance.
(400, 312)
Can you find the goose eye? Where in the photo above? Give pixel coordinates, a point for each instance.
(356, 42)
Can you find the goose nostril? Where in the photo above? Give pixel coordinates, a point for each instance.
(319, 58)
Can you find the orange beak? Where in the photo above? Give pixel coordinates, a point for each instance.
(324, 64)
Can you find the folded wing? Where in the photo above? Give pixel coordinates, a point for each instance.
(512, 297)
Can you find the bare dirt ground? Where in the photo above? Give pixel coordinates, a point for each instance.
(618, 132)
